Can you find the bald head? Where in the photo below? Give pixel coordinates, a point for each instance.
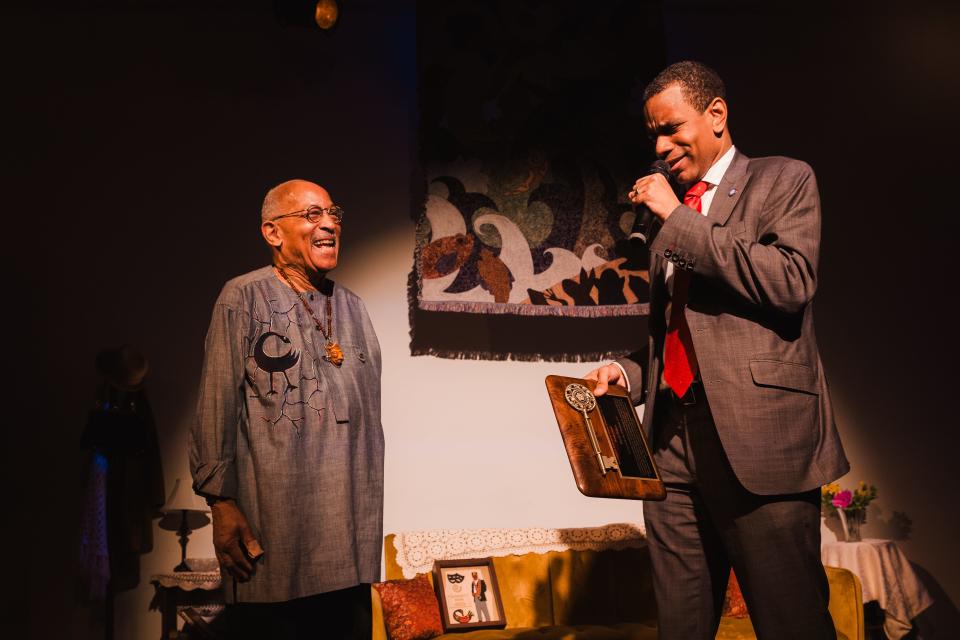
(302, 229)
(289, 196)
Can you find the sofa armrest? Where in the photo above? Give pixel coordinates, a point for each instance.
(846, 602)
(379, 626)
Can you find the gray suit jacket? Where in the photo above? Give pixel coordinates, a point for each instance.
(754, 265)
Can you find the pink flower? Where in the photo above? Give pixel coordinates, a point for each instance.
(843, 499)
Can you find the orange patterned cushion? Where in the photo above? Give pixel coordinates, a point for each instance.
(733, 604)
(410, 609)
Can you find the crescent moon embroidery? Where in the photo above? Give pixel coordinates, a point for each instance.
(278, 364)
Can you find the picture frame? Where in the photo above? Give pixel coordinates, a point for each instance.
(457, 588)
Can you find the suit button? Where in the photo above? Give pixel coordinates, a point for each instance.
(681, 263)
(667, 253)
(689, 266)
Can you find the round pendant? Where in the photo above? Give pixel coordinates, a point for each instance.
(334, 353)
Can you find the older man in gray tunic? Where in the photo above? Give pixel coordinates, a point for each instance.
(287, 446)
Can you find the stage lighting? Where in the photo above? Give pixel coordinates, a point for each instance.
(326, 13)
(307, 13)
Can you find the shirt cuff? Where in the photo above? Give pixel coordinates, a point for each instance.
(623, 374)
(215, 480)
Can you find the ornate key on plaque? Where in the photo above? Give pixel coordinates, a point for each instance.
(581, 399)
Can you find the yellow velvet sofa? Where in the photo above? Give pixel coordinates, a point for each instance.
(600, 594)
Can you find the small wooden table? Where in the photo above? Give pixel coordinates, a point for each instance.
(200, 590)
(886, 577)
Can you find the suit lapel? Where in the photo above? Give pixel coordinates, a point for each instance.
(729, 189)
(656, 277)
(658, 295)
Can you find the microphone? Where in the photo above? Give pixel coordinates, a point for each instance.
(640, 233)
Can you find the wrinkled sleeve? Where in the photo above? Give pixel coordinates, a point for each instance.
(778, 269)
(213, 438)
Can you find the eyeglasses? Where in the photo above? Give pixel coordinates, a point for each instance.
(314, 213)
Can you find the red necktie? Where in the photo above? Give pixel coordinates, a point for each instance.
(679, 360)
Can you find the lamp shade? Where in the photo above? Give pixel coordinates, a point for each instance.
(184, 503)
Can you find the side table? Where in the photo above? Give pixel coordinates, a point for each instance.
(199, 589)
(886, 576)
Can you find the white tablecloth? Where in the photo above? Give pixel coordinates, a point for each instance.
(204, 574)
(886, 576)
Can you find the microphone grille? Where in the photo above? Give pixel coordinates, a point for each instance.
(661, 166)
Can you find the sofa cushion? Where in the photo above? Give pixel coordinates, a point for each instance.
(734, 605)
(602, 587)
(524, 583)
(736, 629)
(410, 609)
(631, 631)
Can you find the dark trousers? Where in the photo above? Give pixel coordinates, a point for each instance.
(709, 523)
(345, 614)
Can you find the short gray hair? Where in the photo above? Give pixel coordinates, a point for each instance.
(274, 201)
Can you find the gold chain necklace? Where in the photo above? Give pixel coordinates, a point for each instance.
(334, 352)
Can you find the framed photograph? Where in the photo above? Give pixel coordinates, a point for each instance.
(468, 594)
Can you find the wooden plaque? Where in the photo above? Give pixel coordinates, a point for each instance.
(614, 461)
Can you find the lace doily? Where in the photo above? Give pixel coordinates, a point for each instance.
(205, 575)
(417, 550)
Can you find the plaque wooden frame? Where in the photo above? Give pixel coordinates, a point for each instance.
(643, 483)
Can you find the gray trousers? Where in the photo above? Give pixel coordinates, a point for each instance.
(482, 612)
(710, 522)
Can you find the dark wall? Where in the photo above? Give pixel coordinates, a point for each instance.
(144, 138)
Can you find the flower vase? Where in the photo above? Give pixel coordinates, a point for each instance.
(855, 519)
(851, 519)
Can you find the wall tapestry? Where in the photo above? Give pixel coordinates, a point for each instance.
(530, 137)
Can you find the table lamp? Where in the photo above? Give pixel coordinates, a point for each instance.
(184, 512)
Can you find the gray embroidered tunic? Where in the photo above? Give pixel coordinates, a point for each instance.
(294, 439)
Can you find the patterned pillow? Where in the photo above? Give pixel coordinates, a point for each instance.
(410, 609)
(733, 604)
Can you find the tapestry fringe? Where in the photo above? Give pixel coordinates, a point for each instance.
(596, 311)
(451, 354)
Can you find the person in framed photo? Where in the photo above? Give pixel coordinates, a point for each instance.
(478, 587)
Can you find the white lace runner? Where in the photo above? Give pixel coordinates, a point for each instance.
(204, 574)
(417, 550)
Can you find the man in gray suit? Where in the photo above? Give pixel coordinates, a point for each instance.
(736, 403)
(287, 447)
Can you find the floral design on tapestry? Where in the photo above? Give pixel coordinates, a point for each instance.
(537, 237)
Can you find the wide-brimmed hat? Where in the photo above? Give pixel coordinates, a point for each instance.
(124, 367)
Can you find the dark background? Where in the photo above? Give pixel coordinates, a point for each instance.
(140, 137)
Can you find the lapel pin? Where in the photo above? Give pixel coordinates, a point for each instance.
(732, 191)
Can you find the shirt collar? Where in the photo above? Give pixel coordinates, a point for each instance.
(715, 173)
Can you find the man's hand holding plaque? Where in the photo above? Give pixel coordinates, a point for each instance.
(604, 439)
